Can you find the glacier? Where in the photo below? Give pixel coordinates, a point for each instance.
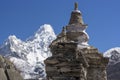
(28, 56)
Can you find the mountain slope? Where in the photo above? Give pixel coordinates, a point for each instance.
(28, 56)
(113, 68)
(114, 55)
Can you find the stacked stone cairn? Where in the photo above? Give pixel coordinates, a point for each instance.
(72, 57)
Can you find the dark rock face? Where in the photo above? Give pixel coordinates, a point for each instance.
(113, 72)
(73, 58)
(8, 71)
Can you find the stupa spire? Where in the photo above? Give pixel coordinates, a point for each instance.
(76, 16)
(76, 6)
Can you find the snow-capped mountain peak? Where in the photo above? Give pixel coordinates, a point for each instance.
(45, 28)
(113, 54)
(113, 68)
(12, 39)
(30, 53)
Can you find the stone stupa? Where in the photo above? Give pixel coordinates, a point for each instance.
(72, 57)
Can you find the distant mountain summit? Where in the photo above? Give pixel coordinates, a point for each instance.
(28, 55)
(113, 69)
(114, 55)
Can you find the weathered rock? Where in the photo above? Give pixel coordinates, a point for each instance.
(8, 71)
(113, 71)
(73, 58)
(13, 74)
(2, 74)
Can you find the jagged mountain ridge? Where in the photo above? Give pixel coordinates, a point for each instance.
(113, 68)
(28, 55)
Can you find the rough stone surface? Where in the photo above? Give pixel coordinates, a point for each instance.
(71, 58)
(8, 71)
(13, 74)
(2, 74)
(113, 71)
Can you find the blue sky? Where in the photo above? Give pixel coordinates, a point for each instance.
(23, 17)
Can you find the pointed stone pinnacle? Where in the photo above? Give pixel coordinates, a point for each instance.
(76, 6)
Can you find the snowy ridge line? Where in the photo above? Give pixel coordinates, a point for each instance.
(113, 54)
(28, 56)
